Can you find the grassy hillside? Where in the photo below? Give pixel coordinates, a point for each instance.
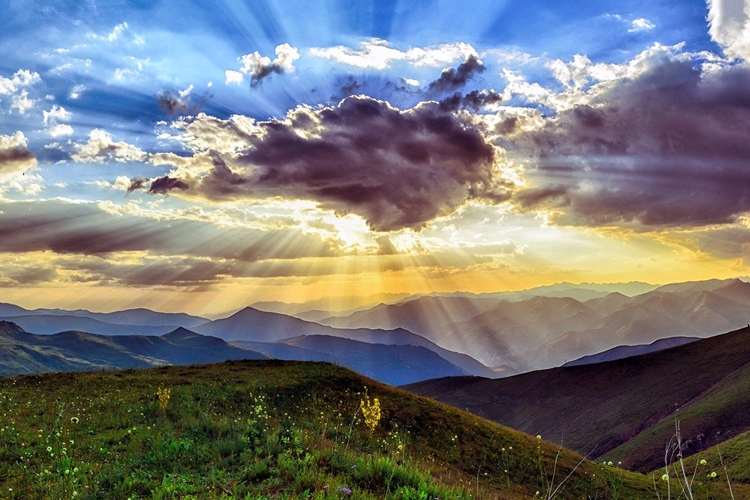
(270, 429)
(608, 405)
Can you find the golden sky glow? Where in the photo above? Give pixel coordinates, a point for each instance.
(198, 168)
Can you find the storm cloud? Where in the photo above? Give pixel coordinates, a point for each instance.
(395, 168)
(667, 149)
(453, 79)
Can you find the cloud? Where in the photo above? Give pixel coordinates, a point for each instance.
(474, 100)
(101, 148)
(164, 185)
(120, 32)
(184, 103)
(21, 78)
(729, 26)
(453, 79)
(15, 156)
(261, 67)
(55, 115)
(60, 130)
(94, 229)
(395, 168)
(233, 77)
(378, 54)
(21, 102)
(641, 24)
(666, 149)
(52, 118)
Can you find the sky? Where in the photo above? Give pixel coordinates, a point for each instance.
(202, 156)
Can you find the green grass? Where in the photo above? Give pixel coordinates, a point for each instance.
(270, 429)
(719, 413)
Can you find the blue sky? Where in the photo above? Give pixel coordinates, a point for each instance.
(329, 144)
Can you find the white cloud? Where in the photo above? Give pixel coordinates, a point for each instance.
(729, 26)
(56, 114)
(21, 78)
(122, 183)
(119, 32)
(186, 92)
(259, 67)
(76, 91)
(21, 102)
(410, 81)
(233, 77)
(285, 57)
(641, 24)
(378, 54)
(60, 130)
(101, 147)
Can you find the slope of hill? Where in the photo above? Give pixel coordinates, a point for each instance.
(606, 405)
(22, 352)
(392, 364)
(627, 351)
(255, 429)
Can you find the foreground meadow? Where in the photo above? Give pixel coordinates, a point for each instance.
(272, 429)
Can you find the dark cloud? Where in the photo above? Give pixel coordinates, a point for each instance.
(137, 183)
(453, 79)
(17, 154)
(85, 229)
(727, 242)
(667, 149)
(264, 72)
(163, 185)
(14, 155)
(30, 276)
(474, 100)
(178, 105)
(395, 168)
(351, 88)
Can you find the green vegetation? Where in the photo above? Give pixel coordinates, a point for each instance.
(271, 429)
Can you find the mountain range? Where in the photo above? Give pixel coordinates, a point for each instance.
(543, 332)
(486, 335)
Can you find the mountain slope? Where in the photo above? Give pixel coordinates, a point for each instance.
(252, 325)
(22, 352)
(627, 351)
(46, 324)
(135, 317)
(604, 405)
(392, 364)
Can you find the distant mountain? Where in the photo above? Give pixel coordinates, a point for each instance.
(331, 304)
(49, 323)
(22, 352)
(544, 332)
(422, 315)
(252, 325)
(260, 326)
(624, 410)
(627, 351)
(133, 317)
(392, 364)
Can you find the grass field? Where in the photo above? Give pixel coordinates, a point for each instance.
(271, 429)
